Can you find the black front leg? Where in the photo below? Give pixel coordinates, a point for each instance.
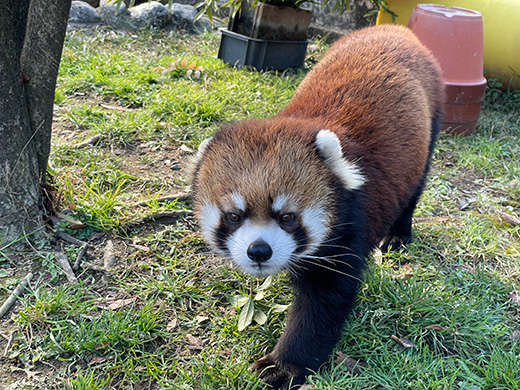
(314, 326)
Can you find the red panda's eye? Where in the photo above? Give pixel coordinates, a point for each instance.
(232, 217)
(286, 218)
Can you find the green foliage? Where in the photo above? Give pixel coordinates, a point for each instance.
(213, 7)
(497, 98)
(254, 305)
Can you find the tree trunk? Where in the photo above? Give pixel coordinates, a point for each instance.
(40, 60)
(30, 54)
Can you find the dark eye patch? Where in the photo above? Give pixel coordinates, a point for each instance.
(291, 223)
(287, 221)
(300, 236)
(229, 223)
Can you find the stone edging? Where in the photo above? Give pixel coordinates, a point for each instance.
(146, 15)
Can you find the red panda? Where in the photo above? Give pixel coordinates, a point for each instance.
(316, 188)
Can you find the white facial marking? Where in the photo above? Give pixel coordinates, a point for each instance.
(209, 221)
(281, 242)
(315, 222)
(238, 201)
(279, 202)
(350, 174)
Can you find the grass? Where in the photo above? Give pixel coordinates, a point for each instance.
(439, 315)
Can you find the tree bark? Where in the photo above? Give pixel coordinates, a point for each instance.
(29, 60)
(19, 191)
(40, 60)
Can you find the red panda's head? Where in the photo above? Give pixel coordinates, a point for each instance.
(265, 191)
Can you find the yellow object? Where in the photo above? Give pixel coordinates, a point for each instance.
(501, 21)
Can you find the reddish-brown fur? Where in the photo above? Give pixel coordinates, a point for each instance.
(379, 90)
(377, 96)
(243, 156)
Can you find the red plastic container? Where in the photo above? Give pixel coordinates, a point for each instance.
(455, 37)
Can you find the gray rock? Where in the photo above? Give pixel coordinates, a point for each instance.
(83, 13)
(152, 14)
(184, 12)
(183, 16)
(120, 19)
(203, 24)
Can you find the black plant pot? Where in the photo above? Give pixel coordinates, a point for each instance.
(240, 50)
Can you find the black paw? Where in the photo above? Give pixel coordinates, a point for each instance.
(394, 243)
(278, 375)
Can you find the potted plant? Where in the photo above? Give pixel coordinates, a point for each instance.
(267, 34)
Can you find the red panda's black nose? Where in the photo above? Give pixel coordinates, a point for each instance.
(259, 251)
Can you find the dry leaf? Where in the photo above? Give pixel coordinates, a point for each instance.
(121, 303)
(172, 324)
(193, 340)
(116, 108)
(404, 342)
(195, 343)
(113, 303)
(464, 203)
(70, 220)
(97, 360)
(405, 272)
(515, 335)
(435, 327)
(509, 219)
(98, 346)
(141, 247)
(515, 297)
(349, 364)
(77, 226)
(201, 319)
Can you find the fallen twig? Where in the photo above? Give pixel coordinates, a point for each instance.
(509, 219)
(64, 262)
(166, 215)
(9, 342)
(172, 215)
(180, 196)
(14, 295)
(81, 252)
(94, 267)
(92, 141)
(72, 240)
(116, 108)
(109, 258)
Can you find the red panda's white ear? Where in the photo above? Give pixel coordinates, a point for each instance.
(330, 149)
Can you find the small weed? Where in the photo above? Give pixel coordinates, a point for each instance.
(254, 305)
